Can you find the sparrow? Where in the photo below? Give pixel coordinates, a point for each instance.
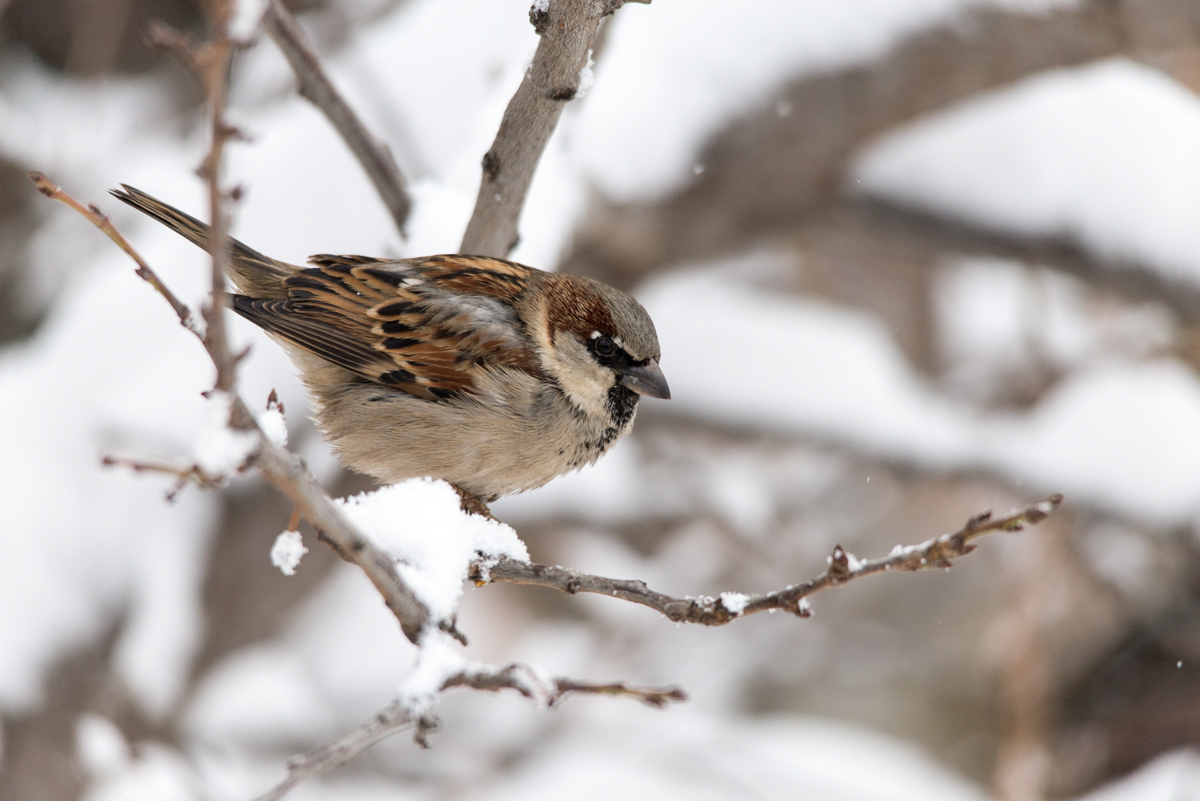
(491, 375)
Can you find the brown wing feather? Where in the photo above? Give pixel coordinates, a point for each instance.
(425, 326)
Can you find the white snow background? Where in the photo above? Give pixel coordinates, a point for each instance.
(110, 369)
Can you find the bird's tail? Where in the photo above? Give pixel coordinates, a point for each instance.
(256, 275)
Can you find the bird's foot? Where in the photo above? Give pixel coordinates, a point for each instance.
(472, 504)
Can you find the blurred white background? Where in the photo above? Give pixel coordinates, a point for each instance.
(908, 259)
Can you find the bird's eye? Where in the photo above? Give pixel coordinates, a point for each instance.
(605, 347)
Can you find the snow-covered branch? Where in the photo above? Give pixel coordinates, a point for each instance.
(890, 223)
(439, 667)
(282, 469)
(841, 568)
(315, 86)
(567, 29)
(788, 162)
(422, 588)
(399, 715)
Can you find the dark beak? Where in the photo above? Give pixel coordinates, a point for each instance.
(646, 379)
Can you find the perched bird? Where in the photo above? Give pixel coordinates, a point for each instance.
(494, 376)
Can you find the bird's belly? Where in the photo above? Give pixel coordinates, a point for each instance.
(488, 450)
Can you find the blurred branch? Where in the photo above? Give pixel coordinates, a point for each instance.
(842, 568)
(185, 472)
(162, 36)
(315, 86)
(685, 424)
(566, 29)
(785, 164)
(397, 716)
(889, 221)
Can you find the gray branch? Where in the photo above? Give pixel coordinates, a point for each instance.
(567, 29)
(784, 165)
(315, 86)
(890, 222)
(287, 473)
(282, 468)
(842, 568)
(396, 716)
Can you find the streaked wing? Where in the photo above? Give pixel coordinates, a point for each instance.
(425, 326)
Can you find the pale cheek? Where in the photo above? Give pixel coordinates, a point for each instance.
(595, 383)
(585, 382)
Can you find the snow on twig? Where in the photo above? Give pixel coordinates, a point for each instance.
(388, 555)
(841, 568)
(287, 552)
(441, 668)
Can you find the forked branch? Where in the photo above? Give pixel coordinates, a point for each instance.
(397, 716)
(287, 473)
(283, 469)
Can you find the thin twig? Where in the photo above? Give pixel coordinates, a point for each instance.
(341, 751)
(396, 716)
(530, 684)
(161, 36)
(842, 568)
(373, 155)
(184, 472)
(283, 469)
(101, 221)
(214, 59)
(286, 472)
(567, 29)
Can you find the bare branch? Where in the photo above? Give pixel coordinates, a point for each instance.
(282, 469)
(161, 36)
(396, 717)
(185, 472)
(389, 720)
(890, 222)
(785, 163)
(101, 221)
(842, 568)
(315, 86)
(567, 29)
(550, 691)
(209, 63)
(214, 59)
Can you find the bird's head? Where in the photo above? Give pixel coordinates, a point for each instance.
(600, 346)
